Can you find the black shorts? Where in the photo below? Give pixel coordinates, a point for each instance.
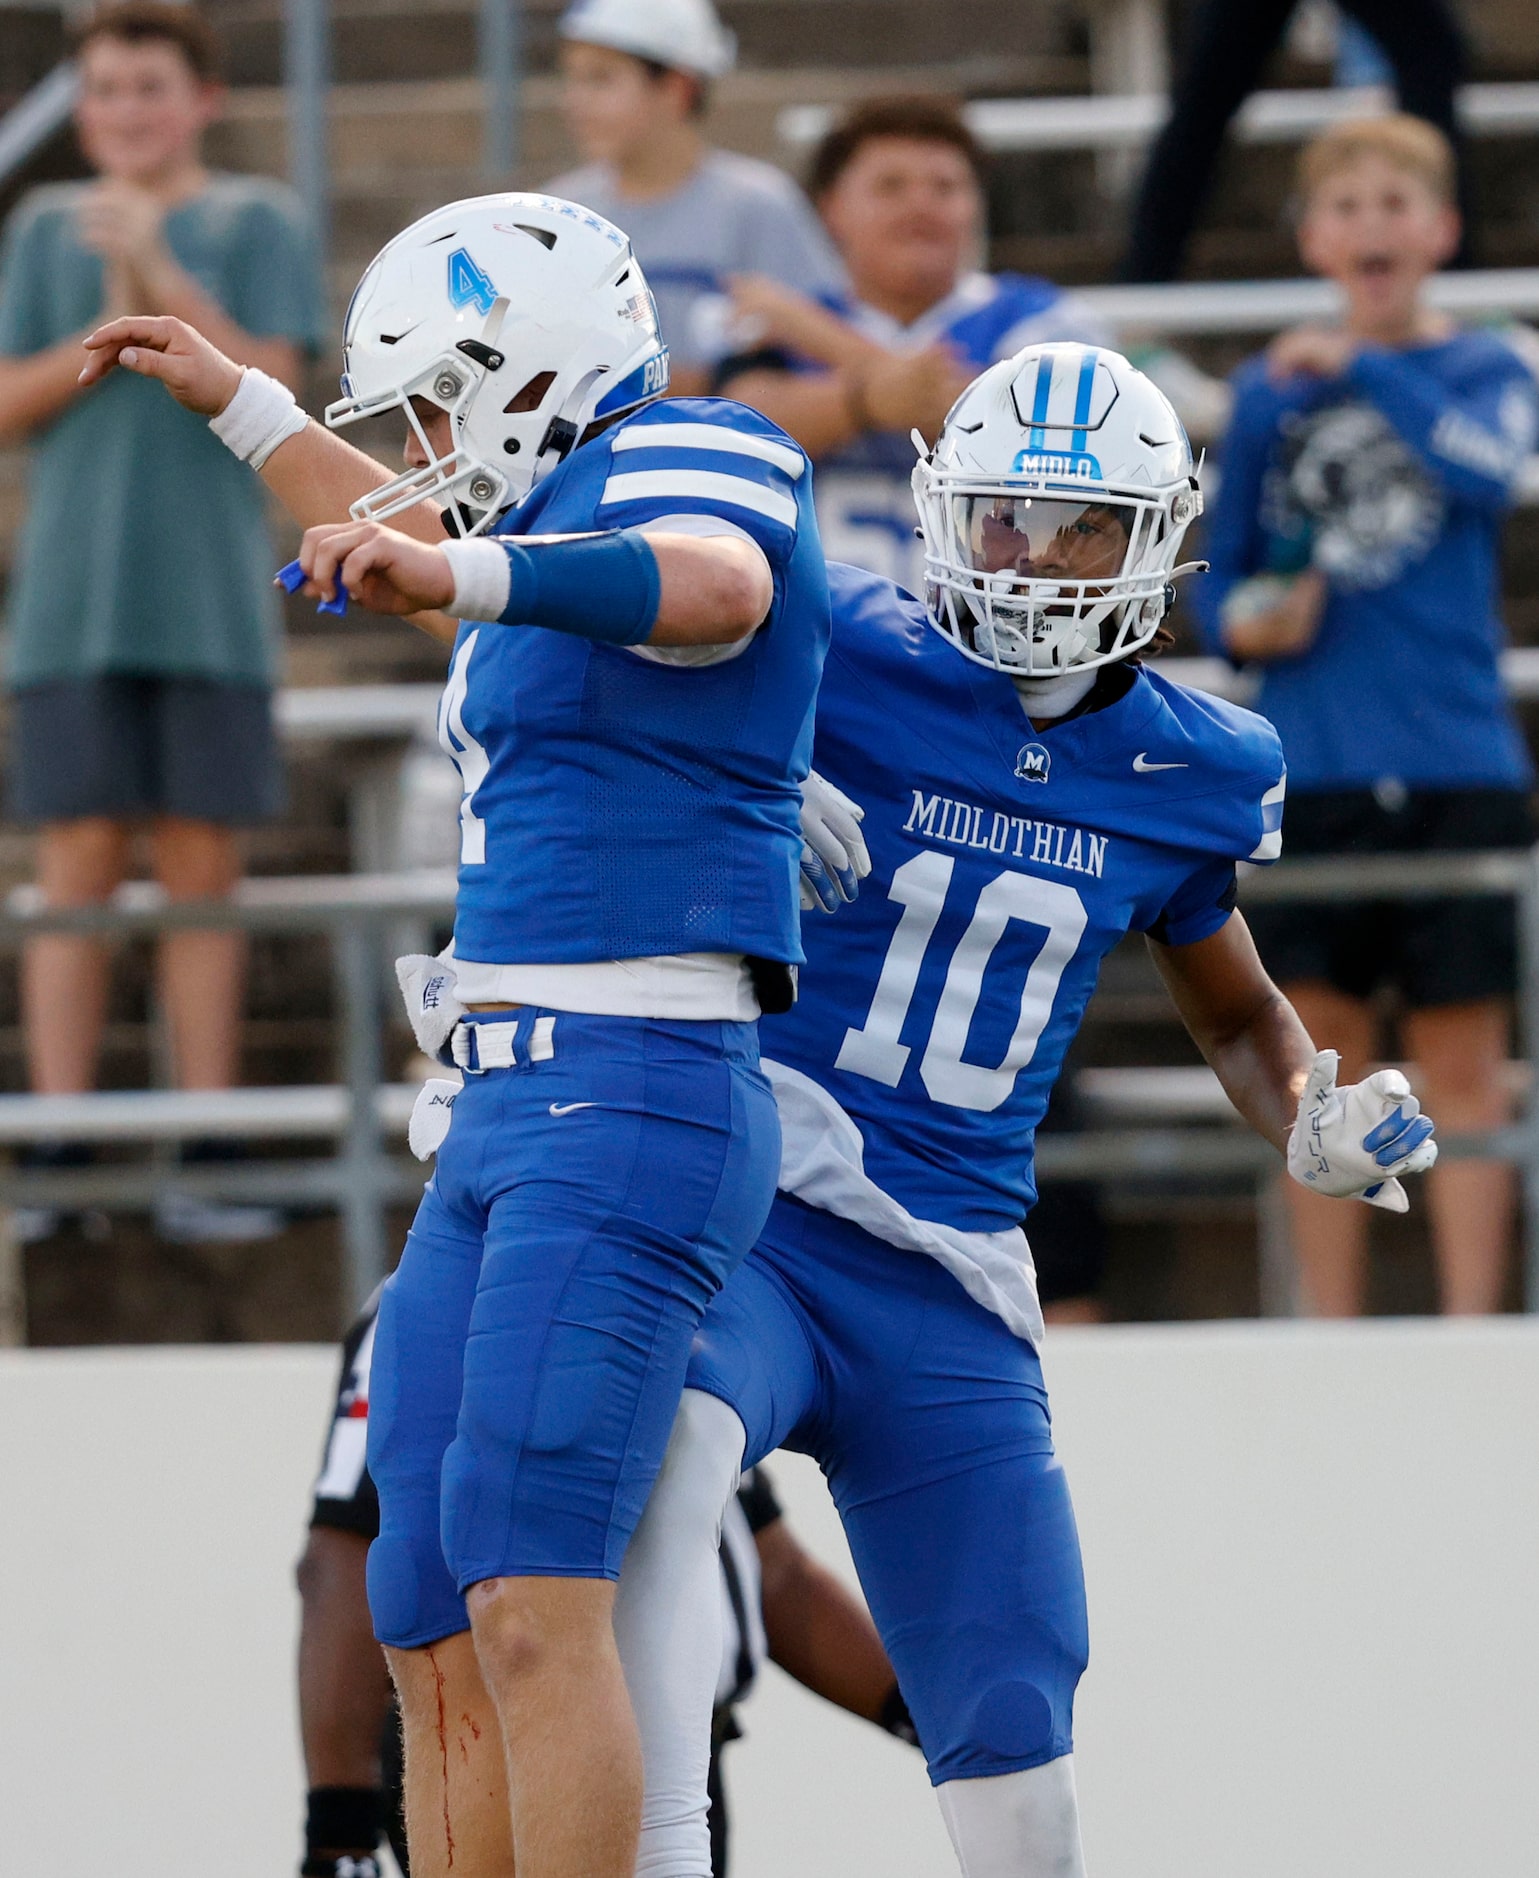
(1458, 950)
(344, 1493)
(126, 745)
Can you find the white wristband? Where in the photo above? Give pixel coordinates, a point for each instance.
(483, 579)
(261, 415)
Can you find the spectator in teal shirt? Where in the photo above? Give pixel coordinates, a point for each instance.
(143, 629)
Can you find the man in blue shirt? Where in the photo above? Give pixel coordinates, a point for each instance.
(1355, 550)
(1032, 793)
(900, 186)
(630, 705)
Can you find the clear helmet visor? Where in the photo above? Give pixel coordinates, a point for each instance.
(1042, 538)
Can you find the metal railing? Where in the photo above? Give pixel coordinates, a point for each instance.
(355, 912)
(363, 1178)
(41, 114)
(1194, 307)
(1133, 1153)
(1108, 121)
(307, 78)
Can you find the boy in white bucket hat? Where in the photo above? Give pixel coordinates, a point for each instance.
(637, 82)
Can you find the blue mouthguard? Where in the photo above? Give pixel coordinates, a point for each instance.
(293, 577)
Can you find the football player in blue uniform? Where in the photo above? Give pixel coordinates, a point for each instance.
(1032, 792)
(632, 717)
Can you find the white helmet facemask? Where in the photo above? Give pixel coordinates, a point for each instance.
(1052, 510)
(525, 319)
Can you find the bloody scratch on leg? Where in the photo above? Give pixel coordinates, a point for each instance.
(443, 1754)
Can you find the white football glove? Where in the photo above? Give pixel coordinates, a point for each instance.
(1353, 1142)
(427, 990)
(835, 859)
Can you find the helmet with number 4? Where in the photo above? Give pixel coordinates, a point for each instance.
(525, 318)
(1052, 510)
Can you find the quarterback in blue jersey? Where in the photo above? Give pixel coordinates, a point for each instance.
(644, 613)
(1031, 794)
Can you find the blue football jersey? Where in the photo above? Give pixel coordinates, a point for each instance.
(616, 806)
(936, 1011)
(865, 508)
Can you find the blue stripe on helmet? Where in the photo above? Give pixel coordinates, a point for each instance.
(1041, 400)
(1082, 392)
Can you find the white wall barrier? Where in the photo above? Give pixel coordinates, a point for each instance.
(1311, 1557)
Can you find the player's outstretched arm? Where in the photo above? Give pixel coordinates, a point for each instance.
(313, 472)
(1346, 1143)
(621, 588)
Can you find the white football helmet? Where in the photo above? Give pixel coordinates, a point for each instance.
(526, 318)
(1052, 510)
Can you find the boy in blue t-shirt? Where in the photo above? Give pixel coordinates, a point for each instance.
(1367, 474)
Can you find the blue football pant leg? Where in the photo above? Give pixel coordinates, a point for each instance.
(414, 1406)
(754, 1352)
(598, 1267)
(962, 1531)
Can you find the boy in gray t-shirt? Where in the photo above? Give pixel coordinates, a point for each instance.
(636, 74)
(142, 628)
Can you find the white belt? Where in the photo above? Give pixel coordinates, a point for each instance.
(477, 1047)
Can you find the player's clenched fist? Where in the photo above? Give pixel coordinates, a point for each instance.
(196, 373)
(384, 570)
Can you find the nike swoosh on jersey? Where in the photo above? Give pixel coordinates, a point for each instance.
(566, 1108)
(1145, 768)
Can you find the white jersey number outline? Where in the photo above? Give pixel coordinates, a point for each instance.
(468, 756)
(919, 886)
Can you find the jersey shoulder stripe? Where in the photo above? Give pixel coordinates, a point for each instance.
(707, 456)
(716, 439)
(686, 484)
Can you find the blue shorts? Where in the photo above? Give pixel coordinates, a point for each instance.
(931, 1422)
(532, 1344)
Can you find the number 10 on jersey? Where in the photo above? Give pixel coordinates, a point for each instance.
(919, 886)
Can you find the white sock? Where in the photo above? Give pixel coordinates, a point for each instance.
(668, 1624)
(1023, 1825)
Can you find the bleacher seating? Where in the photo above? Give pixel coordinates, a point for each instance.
(406, 133)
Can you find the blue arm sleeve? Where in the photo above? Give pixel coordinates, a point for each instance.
(1473, 439)
(1232, 537)
(604, 587)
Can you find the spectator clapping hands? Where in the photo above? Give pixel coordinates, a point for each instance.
(883, 389)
